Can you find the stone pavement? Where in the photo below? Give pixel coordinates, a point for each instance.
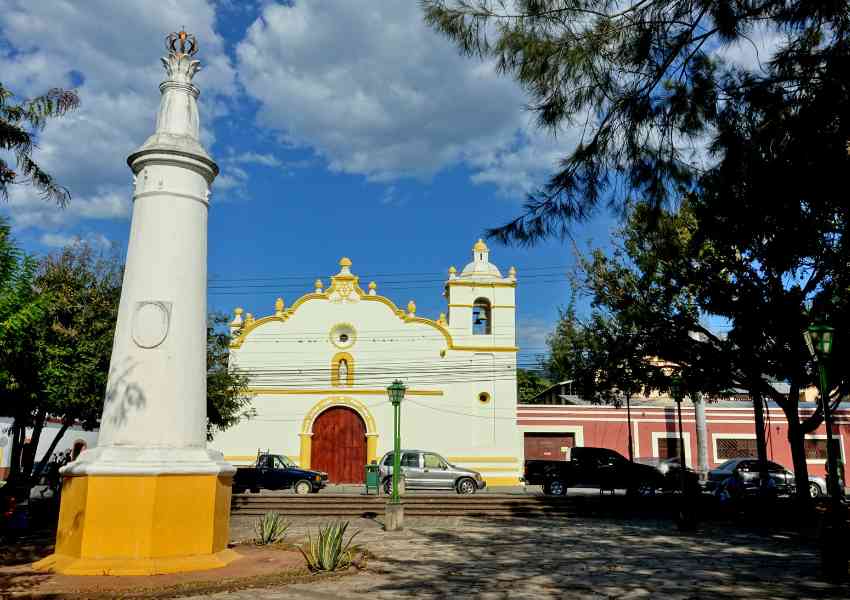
(563, 558)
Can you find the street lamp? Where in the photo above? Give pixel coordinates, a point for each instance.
(685, 517)
(819, 342)
(627, 371)
(833, 554)
(396, 394)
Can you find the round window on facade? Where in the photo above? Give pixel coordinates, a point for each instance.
(343, 335)
(484, 397)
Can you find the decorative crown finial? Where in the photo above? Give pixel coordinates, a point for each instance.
(180, 43)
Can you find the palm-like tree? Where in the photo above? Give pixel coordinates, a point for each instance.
(19, 123)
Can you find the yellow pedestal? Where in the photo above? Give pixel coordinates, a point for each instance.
(141, 525)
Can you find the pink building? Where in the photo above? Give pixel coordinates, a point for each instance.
(547, 429)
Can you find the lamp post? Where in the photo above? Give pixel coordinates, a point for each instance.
(819, 342)
(833, 554)
(395, 509)
(627, 371)
(685, 517)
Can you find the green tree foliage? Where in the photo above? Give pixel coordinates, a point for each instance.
(645, 81)
(21, 310)
(602, 356)
(529, 384)
(20, 121)
(667, 274)
(228, 400)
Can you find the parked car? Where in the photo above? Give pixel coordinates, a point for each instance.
(607, 470)
(277, 472)
(421, 469)
(742, 476)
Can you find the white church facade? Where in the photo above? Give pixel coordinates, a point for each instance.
(319, 369)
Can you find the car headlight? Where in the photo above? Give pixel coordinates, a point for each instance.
(318, 477)
(478, 476)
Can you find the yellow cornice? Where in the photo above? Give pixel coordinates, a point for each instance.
(485, 348)
(463, 283)
(348, 391)
(473, 306)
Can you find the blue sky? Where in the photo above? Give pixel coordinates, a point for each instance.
(341, 128)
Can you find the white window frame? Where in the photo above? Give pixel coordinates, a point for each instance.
(686, 437)
(727, 436)
(822, 436)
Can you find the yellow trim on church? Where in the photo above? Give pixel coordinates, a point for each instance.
(315, 391)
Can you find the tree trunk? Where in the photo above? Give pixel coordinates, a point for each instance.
(18, 436)
(761, 443)
(50, 449)
(702, 434)
(798, 456)
(30, 450)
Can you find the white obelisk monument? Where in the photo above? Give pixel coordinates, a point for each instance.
(151, 498)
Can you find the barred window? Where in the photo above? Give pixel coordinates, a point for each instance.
(668, 447)
(815, 449)
(735, 448)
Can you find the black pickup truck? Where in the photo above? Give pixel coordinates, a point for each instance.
(277, 472)
(604, 469)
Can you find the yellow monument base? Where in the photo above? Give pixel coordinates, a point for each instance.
(141, 525)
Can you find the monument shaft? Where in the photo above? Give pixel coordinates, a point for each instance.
(151, 498)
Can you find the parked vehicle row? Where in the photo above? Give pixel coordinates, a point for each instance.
(606, 469)
(742, 476)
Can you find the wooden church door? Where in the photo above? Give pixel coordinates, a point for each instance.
(339, 445)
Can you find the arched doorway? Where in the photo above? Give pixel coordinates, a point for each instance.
(339, 445)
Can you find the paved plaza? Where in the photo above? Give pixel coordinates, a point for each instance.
(563, 558)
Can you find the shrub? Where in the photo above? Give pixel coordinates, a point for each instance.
(270, 528)
(329, 551)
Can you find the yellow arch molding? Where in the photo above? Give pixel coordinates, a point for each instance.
(306, 434)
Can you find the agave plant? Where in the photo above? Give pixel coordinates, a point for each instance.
(329, 551)
(270, 528)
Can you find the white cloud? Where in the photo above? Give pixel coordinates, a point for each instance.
(28, 209)
(532, 334)
(60, 240)
(266, 160)
(754, 50)
(376, 92)
(114, 48)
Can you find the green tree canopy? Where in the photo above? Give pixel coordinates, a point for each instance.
(228, 400)
(20, 122)
(645, 81)
(529, 384)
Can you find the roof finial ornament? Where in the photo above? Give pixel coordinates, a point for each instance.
(180, 64)
(180, 43)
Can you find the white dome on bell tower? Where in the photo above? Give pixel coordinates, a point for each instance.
(480, 265)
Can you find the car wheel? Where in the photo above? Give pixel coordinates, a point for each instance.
(814, 489)
(555, 488)
(302, 488)
(466, 486)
